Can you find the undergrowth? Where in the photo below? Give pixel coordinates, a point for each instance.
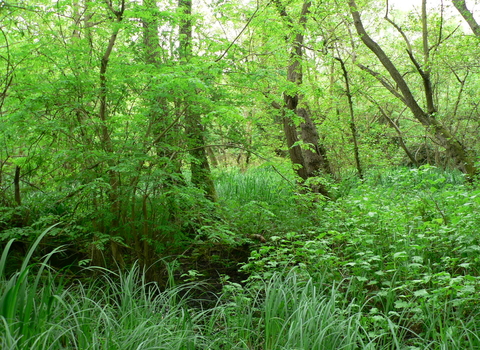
(392, 263)
(406, 243)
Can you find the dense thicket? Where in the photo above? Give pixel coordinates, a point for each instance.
(392, 264)
(117, 115)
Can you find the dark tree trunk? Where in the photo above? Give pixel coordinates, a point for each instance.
(16, 186)
(294, 150)
(315, 157)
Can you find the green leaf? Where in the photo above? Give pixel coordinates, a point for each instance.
(421, 293)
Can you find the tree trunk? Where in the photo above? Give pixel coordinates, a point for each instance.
(309, 162)
(294, 149)
(200, 168)
(454, 148)
(114, 178)
(16, 186)
(315, 157)
(213, 158)
(150, 33)
(353, 126)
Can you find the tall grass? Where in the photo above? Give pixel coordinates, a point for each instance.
(258, 184)
(290, 310)
(260, 201)
(120, 311)
(391, 289)
(301, 313)
(123, 311)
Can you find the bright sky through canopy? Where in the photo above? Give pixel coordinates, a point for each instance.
(410, 4)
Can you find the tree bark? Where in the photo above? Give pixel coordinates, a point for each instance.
(16, 186)
(150, 33)
(200, 168)
(315, 157)
(454, 148)
(309, 162)
(353, 126)
(425, 72)
(461, 7)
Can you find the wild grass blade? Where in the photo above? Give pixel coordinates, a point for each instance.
(34, 246)
(3, 259)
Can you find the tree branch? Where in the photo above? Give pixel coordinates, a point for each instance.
(382, 81)
(461, 7)
(239, 34)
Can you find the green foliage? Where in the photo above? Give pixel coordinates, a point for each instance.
(295, 307)
(260, 201)
(102, 117)
(405, 242)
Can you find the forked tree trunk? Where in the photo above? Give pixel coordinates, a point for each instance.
(312, 161)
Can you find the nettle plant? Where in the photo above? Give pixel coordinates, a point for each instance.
(308, 251)
(406, 243)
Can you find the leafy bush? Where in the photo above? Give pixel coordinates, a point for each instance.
(405, 243)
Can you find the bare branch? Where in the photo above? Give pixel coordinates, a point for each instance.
(239, 34)
(400, 30)
(382, 81)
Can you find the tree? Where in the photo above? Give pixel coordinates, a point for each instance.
(200, 168)
(312, 160)
(353, 126)
(455, 149)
